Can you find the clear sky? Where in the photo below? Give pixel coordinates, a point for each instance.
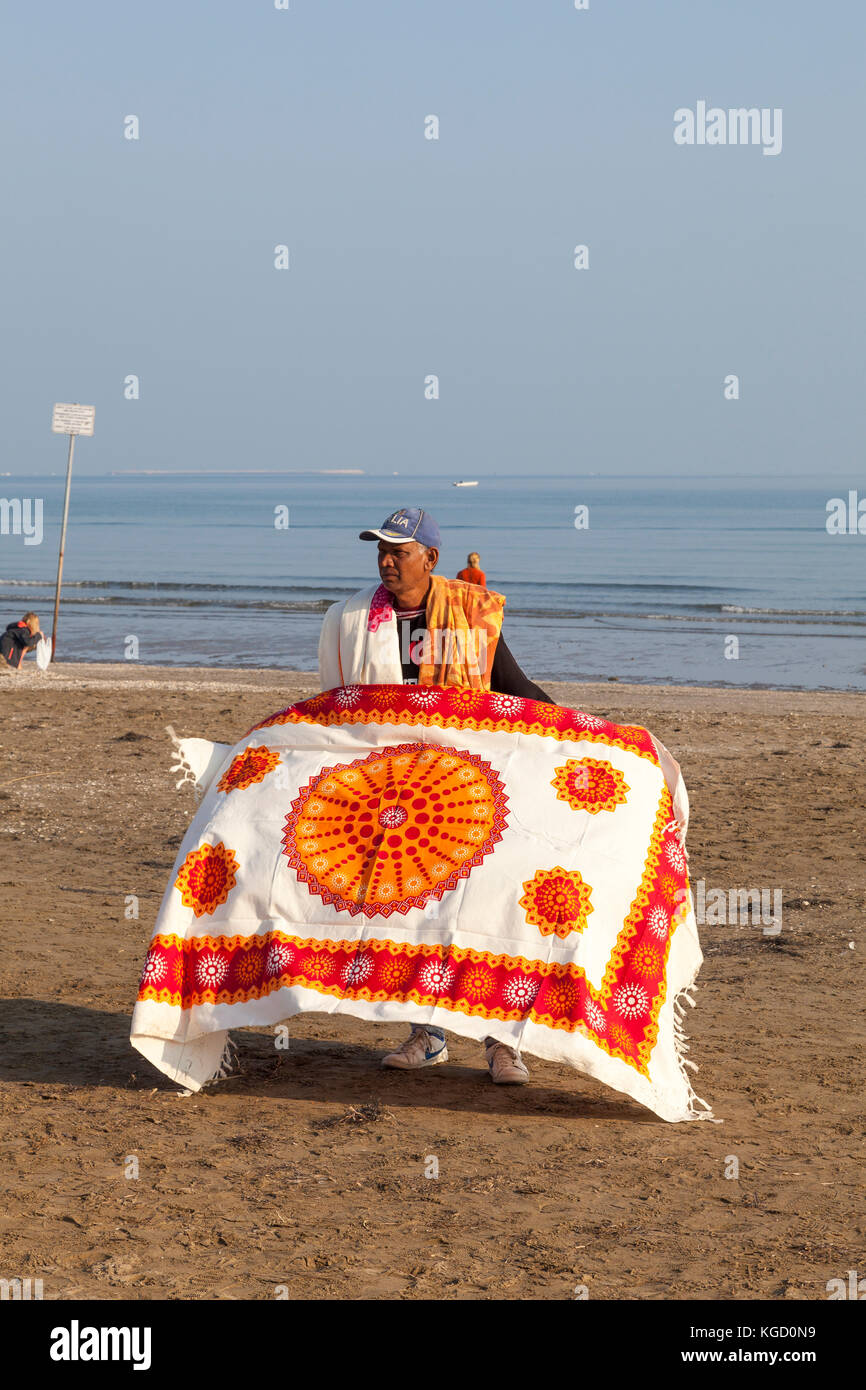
(454, 257)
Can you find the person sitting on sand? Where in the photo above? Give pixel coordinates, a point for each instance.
(18, 639)
(473, 574)
(419, 628)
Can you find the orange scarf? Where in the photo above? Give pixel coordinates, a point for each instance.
(460, 617)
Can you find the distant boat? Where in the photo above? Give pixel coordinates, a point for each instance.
(471, 483)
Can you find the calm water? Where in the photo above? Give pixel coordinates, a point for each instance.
(667, 573)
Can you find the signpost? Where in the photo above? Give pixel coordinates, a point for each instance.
(72, 420)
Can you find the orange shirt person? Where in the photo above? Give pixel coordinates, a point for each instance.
(474, 574)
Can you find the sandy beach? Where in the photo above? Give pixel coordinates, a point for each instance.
(307, 1170)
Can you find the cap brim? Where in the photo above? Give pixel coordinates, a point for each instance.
(383, 536)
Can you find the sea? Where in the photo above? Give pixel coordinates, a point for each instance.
(711, 581)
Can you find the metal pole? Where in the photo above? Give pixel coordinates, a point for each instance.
(62, 545)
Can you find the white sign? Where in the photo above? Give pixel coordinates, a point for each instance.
(73, 419)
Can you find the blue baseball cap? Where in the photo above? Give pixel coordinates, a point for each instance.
(409, 524)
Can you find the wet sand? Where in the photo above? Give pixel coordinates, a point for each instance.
(308, 1169)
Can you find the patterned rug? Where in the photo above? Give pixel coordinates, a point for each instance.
(491, 865)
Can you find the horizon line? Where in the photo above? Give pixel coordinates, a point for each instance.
(360, 472)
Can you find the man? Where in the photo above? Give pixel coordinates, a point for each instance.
(473, 574)
(419, 628)
(19, 638)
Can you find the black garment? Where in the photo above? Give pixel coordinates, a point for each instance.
(410, 622)
(16, 640)
(506, 678)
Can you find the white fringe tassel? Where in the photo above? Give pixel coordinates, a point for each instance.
(182, 765)
(681, 1044)
(679, 826)
(228, 1064)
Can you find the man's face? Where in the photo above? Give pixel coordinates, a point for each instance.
(405, 568)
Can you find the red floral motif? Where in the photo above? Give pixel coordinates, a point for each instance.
(631, 1001)
(211, 970)
(646, 961)
(463, 699)
(557, 900)
(425, 697)
(319, 965)
(478, 982)
(248, 967)
(632, 732)
(206, 878)
(394, 974)
(590, 785)
(547, 714)
(383, 697)
(253, 765)
(557, 996)
(670, 886)
(621, 1038)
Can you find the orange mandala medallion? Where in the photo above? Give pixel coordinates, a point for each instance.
(591, 785)
(393, 830)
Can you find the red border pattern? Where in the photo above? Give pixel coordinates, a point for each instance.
(453, 707)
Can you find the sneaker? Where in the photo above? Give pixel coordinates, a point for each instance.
(424, 1047)
(506, 1066)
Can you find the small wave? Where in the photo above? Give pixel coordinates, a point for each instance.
(841, 618)
(216, 605)
(795, 612)
(228, 598)
(173, 585)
